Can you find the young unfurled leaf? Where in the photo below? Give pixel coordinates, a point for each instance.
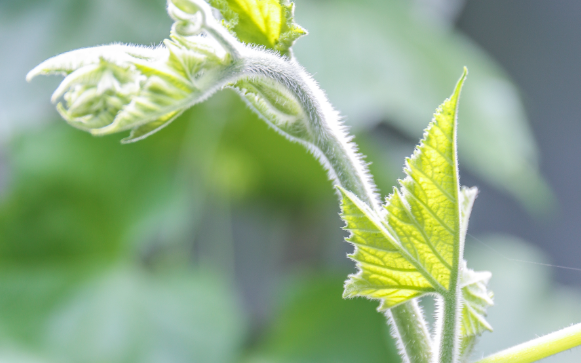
(466, 198)
(118, 87)
(263, 22)
(476, 300)
(65, 63)
(275, 105)
(414, 246)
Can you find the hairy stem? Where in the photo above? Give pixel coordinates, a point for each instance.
(326, 137)
(409, 326)
(330, 143)
(449, 340)
(328, 140)
(539, 348)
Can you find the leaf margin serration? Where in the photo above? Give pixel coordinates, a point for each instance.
(403, 194)
(288, 30)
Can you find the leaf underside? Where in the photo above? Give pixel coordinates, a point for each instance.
(268, 23)
(413, 246)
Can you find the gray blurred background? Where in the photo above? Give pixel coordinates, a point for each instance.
(536, 42)
(217, 240)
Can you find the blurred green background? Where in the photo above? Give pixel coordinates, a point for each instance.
(216, 240)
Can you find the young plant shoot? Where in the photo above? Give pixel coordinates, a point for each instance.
(407, 248)
(414, 244)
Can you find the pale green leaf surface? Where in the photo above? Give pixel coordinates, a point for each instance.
(66, 63)
(268, 23)
(172, 84)
(473, 283)
(476, 300)
(384, 271)
(156, 101)
(414, 247)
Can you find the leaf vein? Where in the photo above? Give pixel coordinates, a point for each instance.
(427, 240)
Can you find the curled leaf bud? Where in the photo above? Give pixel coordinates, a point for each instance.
(94, 94)
(118, 87)
(187, 6)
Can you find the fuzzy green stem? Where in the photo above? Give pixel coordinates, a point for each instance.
(409, 326)
(325, 137)
(328, 140)
(539, 348)
(330, 143)
(449, 343)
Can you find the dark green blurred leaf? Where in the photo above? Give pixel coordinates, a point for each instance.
(29, 295)
(74, 196)
(129, 315)
(286, 172)
(315, 325)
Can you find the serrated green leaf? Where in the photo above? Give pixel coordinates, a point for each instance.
(476, 300)
(268, 23)
(473, 284)
(414, 247)
(384, 271)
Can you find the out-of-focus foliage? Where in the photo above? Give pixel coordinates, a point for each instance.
(82, 215)
(93, 232)
(312, 325)
(527, 303)
(128, 315)
(401, 66)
